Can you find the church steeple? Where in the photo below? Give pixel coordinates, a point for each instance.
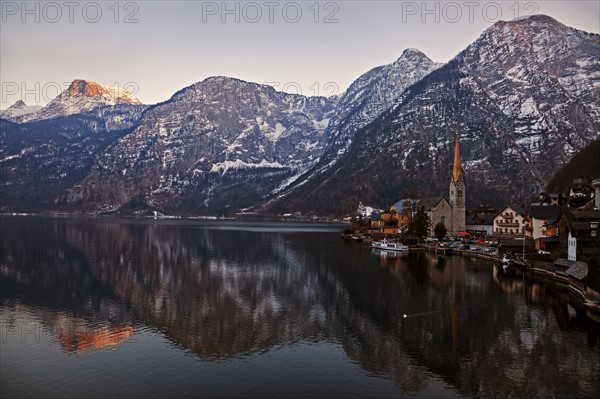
(457, 193)
(457, 169)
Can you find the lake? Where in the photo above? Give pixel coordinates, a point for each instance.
(179, 308)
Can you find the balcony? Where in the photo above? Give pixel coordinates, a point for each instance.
(507, 224)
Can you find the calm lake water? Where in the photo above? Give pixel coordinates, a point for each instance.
(129, 308)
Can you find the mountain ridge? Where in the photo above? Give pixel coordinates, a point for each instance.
(524, 97)
(511, 130)
(79, 97)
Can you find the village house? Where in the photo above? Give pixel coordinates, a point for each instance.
(392, 221)
(510, 221)
(580, 230)
(388, 223)
(480, 222)
(542, 221)
(580, 194)
(549, 199)
(542, 226)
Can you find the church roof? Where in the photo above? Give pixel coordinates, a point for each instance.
(429, 203)
(457, 169)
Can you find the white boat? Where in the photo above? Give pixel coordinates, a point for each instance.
(389, 246)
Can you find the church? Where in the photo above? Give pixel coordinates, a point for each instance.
(451, 213)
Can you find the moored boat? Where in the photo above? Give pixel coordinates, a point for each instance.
(389, 246)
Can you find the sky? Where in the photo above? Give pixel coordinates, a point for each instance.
(155, 48)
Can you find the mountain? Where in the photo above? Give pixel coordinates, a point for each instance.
(18, 109)
(214, 147)
(524, 97)
(584, 165)
(41, 160)
(81, 96)
(367, 98)
(51, 149)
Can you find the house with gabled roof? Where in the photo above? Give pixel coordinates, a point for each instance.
(510, 221)
(543, 221)
(480, 222)
(582, 232)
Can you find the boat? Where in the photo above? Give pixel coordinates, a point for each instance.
(389, 246)
(357, 237)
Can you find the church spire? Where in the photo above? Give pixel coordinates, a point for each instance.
(457, 170)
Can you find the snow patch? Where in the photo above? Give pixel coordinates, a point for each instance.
(223, 167)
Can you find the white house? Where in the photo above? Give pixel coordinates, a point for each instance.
(572, 247)
(510, 220)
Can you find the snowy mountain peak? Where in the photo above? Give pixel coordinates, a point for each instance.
(531, 20)
(527, 29)
(108, 95)
(81, 96)
(369, 96)
(18, 109)
(18, 105)
(412, 52)
(523, 97)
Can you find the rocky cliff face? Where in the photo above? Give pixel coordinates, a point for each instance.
(216, 146)
(367, 98)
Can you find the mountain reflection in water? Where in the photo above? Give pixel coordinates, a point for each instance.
(222, 291)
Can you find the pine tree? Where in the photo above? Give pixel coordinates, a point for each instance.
(419, 224)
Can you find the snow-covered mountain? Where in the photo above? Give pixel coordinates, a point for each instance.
(523, 97)
(81, 96)
(367, 98)
(18, 109)
(216, 146)
(373, 93)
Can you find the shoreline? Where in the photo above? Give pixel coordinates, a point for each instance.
(575, 290)
(245, 218)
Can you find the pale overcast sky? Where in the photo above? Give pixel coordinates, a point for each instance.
(155, 48)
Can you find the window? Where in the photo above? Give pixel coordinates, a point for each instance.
(443, 220)
(459, 192)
